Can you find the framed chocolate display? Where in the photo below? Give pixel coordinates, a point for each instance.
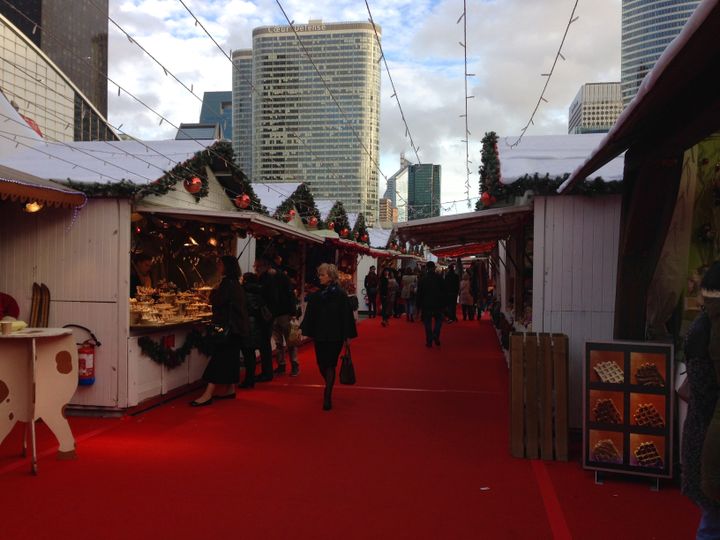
(628, 406)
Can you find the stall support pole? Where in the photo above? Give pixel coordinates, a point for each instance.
(519, 272)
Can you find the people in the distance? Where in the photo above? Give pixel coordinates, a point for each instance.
(432, 302)
(284, 308)
(701, 432)
(257, 327)
(140, 272)
(229, 311)
(467, 300)
(330, 322)
(408, 291)
(371, 289)
(388, 292)
(452, 285)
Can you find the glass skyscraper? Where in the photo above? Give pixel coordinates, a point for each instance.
(242, 96)
(217, 109)
(299, 133)
(648, 27)
(423, 191)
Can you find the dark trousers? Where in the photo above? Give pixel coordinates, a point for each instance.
(452, 309)
(387, 308)
(468, 312)
(372, 302)
(266, 363)
(432, 332)
(249, 361)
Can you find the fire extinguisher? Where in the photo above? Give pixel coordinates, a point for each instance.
(86, 356)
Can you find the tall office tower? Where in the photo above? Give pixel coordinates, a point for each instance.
(397, 189)
(648, 27)
(595, 108)
(299, 132)
(217, 109)
(242, 95)
(74, 35)
(41, 90)
(385, 212)
(423, 191)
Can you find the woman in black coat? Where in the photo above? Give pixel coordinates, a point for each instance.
(329, 321)
(229, 311)
(258, 329)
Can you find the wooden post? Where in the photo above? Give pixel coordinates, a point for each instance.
(560, 364)
(519, 258)
(517, 401)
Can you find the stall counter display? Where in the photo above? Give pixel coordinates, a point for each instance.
(628, 421)
(152, 308)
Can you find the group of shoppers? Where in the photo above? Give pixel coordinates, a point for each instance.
(254, 308)
(396, 292)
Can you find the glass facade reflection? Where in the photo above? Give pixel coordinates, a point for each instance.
(648, 27)
(299, 134)
(423, 191)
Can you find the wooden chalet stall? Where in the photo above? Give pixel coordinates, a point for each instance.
(85, 258)
(670, 218)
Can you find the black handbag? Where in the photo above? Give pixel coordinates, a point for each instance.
(347, 370)
(217, 336)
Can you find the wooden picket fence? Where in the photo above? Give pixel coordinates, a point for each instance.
(539, 396)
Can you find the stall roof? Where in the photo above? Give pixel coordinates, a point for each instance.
(273, 194)
(468, 228)
(677, 99)
(553, 155)
(103, 161)
(257, 223)
(23, 187)
(464, 250)
(379, 237)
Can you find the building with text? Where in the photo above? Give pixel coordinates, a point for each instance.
(322, 129)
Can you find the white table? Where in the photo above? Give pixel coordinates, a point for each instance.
(38, 377)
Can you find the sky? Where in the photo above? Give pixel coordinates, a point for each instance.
(510, 43)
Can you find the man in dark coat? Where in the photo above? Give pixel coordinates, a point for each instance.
(432, 301)
(269, 286)
(452, 285)
(371, 289)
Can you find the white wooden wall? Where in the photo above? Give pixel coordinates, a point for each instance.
(575, 275)
(84, 264)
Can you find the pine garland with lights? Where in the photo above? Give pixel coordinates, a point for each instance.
(303, 202)
(338, 218)
(172, 358)
(359, 231)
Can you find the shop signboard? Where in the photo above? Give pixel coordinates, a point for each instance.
(628, 408)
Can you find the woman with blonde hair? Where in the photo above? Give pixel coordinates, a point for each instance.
(330, 322)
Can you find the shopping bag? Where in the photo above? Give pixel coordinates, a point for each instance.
(295, 336)
(347, 370)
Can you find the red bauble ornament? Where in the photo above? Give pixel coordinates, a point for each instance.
(364, 238)
(313, 221)
(344, 233)
(290, 216)
(485, 198)
(493, 200)
(192, 185)
(242, 201)
(331, 225)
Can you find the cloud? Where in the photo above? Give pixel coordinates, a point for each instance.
(510, 43)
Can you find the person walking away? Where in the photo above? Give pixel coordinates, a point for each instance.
(284, 309)
(702, 354)
(371, 289)
(330, 322)
(257, 327)
(466, 298)
(452, 285)
(388, 291)
(408, 293)
(432, 302)
(269, 292)
(229, 310)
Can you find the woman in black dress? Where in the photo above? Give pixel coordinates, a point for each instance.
(329, 321)
(699, 466)
(229, 311)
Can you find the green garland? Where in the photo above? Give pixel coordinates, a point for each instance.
(303, 202)
(172, 358)
(360, 230)
(548, 186)
(490, 168)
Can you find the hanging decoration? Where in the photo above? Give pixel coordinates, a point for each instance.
(172, 358)
(313, 222)
(193, 185)
(243, 201)
(490, 178)
(360, 232)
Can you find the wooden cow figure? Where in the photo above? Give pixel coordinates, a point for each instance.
(56, 382)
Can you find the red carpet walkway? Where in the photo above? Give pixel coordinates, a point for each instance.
(417, 450)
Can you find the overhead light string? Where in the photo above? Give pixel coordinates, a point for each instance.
(466, 139)
(547, 76)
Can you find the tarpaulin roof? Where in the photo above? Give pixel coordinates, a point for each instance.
(19, 186)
